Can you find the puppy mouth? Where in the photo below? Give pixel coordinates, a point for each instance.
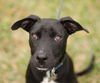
(42, 69)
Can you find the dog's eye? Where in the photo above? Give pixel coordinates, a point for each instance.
(57, 38)
(34, 36)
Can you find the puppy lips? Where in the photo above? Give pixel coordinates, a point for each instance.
(42, 69)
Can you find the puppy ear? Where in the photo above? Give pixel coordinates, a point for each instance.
(25, 23)
(71, 25)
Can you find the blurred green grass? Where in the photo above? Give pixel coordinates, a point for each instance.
(14, 49)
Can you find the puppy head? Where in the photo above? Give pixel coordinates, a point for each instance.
(47, 38)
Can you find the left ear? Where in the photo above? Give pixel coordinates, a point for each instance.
(71, 25)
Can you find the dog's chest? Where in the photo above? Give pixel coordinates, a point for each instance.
(46, 80)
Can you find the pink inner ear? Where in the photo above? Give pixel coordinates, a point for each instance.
(72, 25)
(24, 24)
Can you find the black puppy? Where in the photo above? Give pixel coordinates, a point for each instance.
(49, 62)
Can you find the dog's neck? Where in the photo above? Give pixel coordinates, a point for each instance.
(51, 74)
(56, 71)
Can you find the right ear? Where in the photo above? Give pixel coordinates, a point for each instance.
(25, 23)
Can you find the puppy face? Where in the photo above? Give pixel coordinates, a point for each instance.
(47, 42)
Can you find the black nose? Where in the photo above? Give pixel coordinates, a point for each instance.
(41, 58)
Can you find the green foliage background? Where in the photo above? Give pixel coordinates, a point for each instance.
(14, 49)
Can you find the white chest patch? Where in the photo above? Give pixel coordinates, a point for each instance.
(47, 78)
